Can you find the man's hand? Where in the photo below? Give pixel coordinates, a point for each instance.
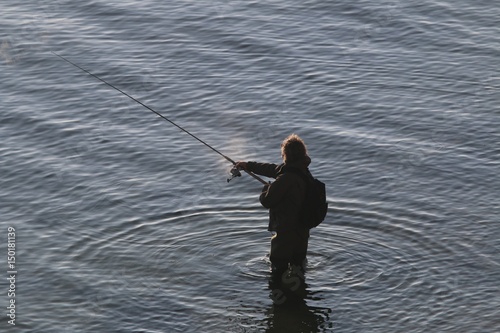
(241, 165)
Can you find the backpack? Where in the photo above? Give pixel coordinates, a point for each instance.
(315, 207)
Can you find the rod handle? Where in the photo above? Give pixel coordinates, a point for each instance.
(256, 177)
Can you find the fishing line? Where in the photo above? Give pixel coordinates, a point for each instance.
(234, 172)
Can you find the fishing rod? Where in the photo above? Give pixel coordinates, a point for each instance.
(235, 172)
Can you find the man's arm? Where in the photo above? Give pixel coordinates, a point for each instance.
(270, 170)
(273, 193)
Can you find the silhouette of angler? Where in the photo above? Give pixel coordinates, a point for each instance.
(284, 198)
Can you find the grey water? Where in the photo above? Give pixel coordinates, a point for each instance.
(123, 223)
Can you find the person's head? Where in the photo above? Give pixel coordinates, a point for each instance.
(293, 149)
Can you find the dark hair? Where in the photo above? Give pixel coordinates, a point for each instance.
(293, 149)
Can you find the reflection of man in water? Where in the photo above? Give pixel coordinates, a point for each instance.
(284, 198)
(290, 312)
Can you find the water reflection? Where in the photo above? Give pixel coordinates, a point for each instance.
(290, 311)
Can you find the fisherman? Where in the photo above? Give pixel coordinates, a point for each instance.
(284, 198)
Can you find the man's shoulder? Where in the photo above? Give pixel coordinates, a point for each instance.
(302, 172)
(292, 174)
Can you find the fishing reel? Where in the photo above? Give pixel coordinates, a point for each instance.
(235, 172)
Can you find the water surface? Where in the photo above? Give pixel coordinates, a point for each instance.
(126, 224)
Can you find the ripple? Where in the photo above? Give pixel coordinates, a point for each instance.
(257, 268)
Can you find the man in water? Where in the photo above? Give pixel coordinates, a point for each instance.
(284, 198)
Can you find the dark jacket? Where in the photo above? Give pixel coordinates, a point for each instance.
(284, 197)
